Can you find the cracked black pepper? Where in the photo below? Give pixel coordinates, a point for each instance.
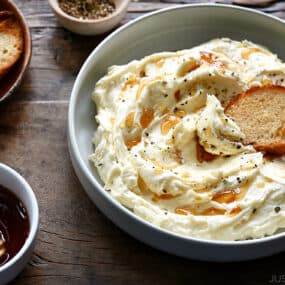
(87, 9)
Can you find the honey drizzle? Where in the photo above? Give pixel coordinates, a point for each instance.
(132, 80)
(211, 59)
(235, 211)
(188, 67)
(146, 117)
(247, 52)
(177, 95)
(163, 166)
(207, 57)
(141, 184)
(160, 63)
(132, 142)
(180, 113)
(179, 156)
(142, 73)
(156, 197)
(169, 121)
(130, 120)
(227, 196)
(202, 155)
(211, 211)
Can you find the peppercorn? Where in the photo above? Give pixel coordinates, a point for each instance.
(277, 209)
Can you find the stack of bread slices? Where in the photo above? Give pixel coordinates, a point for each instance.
(11, 41)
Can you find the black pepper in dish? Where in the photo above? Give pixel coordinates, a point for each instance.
(87, 9)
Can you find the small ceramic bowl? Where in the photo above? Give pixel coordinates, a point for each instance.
(90, 27)
(13, 78)
(12, 180)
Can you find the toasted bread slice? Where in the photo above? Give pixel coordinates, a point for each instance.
(11, 41)
(260, 114)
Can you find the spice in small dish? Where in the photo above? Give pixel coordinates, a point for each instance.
(87, 9)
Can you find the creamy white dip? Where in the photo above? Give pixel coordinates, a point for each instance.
(166, 150)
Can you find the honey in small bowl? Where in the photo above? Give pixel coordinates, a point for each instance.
(14, 225)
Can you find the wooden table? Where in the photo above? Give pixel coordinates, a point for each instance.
(76, 243)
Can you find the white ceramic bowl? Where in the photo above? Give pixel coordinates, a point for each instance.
(165, 30)
(90, 27)
(18, 185)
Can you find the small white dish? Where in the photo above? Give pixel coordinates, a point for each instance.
(12, 180)
(90, 27)
(166, 30)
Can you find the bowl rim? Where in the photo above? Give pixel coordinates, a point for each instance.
(27, 47)
(55, 7)
(33, 217)
(74, 149)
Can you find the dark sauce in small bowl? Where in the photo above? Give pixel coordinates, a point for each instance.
(14, 225)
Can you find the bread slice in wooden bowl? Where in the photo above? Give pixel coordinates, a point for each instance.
(11, 41)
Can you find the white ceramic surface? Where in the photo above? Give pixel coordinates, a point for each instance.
(165, 30)
(18, 185)
(90, 27)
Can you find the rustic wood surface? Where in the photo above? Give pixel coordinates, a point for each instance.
(76, 243)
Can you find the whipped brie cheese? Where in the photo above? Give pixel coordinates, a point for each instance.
(165, 149)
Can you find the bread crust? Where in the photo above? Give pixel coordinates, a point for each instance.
(10, 29)
(232, 110)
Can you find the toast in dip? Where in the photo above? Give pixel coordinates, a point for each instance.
(260, 113)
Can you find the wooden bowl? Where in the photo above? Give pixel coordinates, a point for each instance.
(13, 78)
(93, 26)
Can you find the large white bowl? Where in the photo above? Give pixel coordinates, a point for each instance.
(165, 30)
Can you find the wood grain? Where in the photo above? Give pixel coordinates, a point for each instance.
(76, 243)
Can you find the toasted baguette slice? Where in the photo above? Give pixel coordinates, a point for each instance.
(11, 41)
(260, 114)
